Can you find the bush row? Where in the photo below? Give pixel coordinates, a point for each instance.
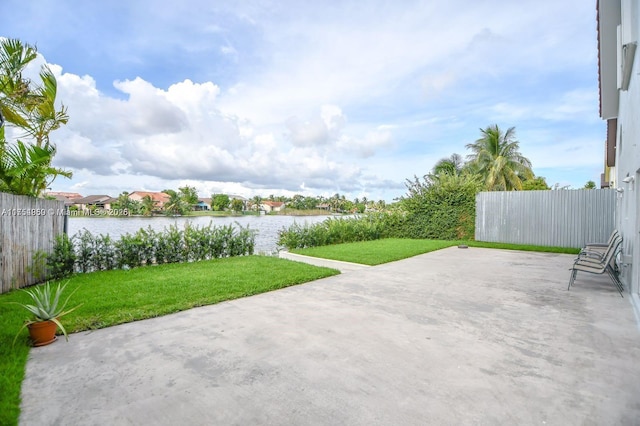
(332, 231)
(85, 252)
(442, 208)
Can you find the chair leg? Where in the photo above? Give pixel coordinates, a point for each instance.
(616, 280)
(572, 279)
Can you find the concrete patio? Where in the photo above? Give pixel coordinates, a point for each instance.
(458, 336)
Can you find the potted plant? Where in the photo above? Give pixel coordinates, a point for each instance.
(47, 311)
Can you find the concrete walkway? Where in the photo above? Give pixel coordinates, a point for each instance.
(473, 336)
(317, 261)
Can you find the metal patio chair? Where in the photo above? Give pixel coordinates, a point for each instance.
(600, 264)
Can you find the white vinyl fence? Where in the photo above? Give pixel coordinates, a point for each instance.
(27, 226)
(563, 218)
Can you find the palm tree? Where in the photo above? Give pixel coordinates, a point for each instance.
(496, 157)
(14, 89)
(175, 205)
(147, 205)
(257, 200)
(452, 165)
(26, 169)
(42, 116)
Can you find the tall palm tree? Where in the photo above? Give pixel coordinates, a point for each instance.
(41, 112)
(14, 89)
(496, 157)
(25, 168)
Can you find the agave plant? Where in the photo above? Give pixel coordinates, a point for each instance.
(47, 306)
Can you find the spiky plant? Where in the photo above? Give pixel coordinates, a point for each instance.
(47, 306)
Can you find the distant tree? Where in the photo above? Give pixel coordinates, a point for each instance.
(257, 200)
(219, 202)
(450, 166)
(297, 202)
(124, 202)
(147, 205)
(189, 196)
(237, 205)
(537, 183)
(176, 204)
(496, 157)
(590, 185)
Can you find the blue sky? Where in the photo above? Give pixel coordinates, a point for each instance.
(319, 97)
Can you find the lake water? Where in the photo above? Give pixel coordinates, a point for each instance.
(267, 227)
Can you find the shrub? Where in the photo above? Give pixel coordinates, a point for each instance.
(441, 208)
(146, 246)
(332, 231)
(61, 261)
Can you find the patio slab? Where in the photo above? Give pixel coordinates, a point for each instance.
(457, 336)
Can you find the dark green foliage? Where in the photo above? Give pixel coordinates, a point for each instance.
(442, 208)
(219, 202)
(332, 231)
(61, 261)
(88, 252)
(538, 183)
(84, 250)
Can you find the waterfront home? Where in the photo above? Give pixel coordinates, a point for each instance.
(159, 198)
(92, 202)
(67, 197)
(271, 206)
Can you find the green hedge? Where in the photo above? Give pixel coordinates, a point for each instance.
(85, 252)
(441, 209)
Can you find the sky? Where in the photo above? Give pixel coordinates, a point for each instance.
(263, 97)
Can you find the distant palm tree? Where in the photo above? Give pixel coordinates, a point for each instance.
(496, 157)
(257, 200)
(148, 205)
(175, 205)
(451, 166)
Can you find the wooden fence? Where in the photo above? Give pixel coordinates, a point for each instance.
(28, 226)
(567, 218)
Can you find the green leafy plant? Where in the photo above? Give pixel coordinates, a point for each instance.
(61, 261)
(47, 306)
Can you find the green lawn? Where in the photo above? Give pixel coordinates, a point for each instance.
(386, 250)
(115, 297)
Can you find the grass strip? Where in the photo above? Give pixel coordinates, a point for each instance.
(386, 250)
(116, 297)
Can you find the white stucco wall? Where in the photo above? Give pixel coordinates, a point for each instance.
(628, 164)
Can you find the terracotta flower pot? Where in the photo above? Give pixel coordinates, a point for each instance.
(43, 332)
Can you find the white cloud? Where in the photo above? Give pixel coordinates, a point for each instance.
(317, 96)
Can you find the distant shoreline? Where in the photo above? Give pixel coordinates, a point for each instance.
(286, 212)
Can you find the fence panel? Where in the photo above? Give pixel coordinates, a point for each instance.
(567, 218)
(27, 226)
